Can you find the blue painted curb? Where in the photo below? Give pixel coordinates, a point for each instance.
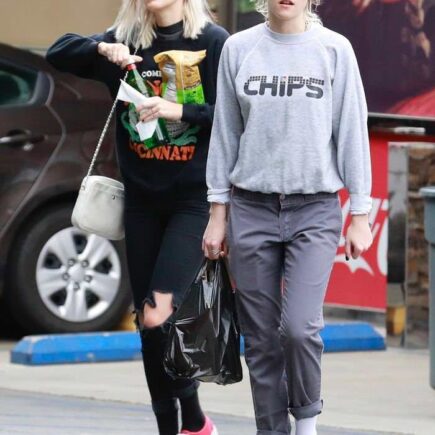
(347, 336)
(77, 348)
(351, 336)
(125, 346)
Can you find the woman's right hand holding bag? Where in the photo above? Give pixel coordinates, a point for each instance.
(214, 242)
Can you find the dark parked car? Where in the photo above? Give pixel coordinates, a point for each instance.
(53, 278)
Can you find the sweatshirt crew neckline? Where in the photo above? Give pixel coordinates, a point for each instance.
(173, 28)
(170, 33)
(291, 38)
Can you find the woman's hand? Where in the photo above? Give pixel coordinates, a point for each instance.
(157, 107)
(214, 243)
(359, 236)
(118, 54)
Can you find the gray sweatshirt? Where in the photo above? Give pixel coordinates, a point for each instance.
(290, 117)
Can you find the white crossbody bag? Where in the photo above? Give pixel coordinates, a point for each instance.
(99, 208)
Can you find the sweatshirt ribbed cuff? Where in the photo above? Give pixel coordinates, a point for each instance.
(219, 196)
(189, 113)
(360, 203)
(192, 113)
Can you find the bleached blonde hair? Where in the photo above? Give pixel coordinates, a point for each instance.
(135, 25)
(310, 11)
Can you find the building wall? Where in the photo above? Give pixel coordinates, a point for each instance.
(37, 23)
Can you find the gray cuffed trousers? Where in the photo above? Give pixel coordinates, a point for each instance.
(294, 237)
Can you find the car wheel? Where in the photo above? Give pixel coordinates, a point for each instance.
(64, 280)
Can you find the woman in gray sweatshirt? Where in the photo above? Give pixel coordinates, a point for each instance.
(290, 131)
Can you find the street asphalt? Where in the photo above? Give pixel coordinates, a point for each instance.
(44, 414)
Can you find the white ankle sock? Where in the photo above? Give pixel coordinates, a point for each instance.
(306, 426)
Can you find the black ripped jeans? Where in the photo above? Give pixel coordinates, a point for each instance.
(163, 236)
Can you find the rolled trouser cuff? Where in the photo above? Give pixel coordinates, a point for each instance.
(165, 406)
(307, 411)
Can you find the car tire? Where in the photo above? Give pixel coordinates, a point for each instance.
(91, 299)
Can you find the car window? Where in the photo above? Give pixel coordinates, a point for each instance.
(16, 86)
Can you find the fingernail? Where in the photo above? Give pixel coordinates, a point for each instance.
(347, 258)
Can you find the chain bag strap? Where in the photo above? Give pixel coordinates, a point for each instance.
(103, 134)
(99, 208)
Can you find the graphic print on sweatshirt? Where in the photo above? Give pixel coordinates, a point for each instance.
(284, 86)
(176, 79)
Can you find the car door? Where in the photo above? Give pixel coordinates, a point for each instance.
(29, 130)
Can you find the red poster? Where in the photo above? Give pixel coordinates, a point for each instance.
(394, 41)
(362, 283)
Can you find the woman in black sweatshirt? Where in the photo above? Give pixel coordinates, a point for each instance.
(166, 208)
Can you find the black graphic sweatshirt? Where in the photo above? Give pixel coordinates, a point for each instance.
(181, 163)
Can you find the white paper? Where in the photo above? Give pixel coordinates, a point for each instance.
(130, 95)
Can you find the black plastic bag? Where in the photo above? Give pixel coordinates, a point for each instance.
(204, 339)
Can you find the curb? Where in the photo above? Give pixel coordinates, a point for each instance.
(125, 346)
(77, 348)
(351, 336)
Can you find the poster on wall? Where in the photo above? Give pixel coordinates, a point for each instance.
(394, 41)
(361, 283)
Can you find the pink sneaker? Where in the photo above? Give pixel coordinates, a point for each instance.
(208, 429)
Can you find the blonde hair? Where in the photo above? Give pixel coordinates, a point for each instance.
(135, 25)
(310, 11)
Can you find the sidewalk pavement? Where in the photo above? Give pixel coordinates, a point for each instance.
(384, 391)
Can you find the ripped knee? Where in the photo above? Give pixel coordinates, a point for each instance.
(149, 318)
(155, 311)
(153, 317)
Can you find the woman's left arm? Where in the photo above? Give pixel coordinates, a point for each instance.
(350, 135)
(196, 114)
